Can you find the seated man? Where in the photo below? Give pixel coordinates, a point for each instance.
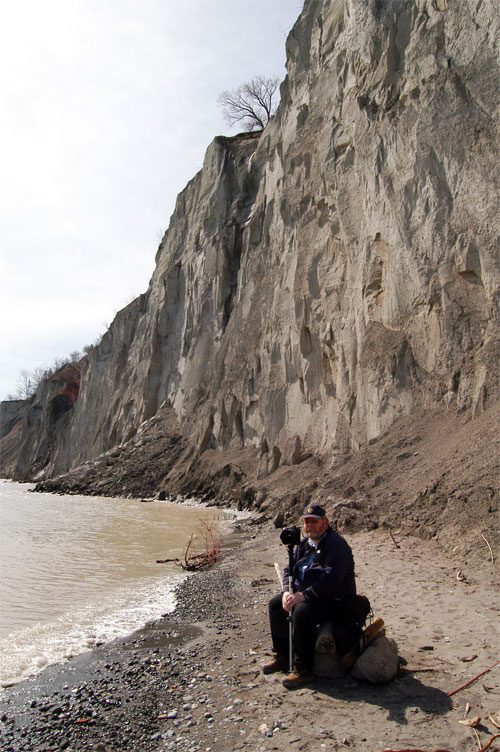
(323, 579)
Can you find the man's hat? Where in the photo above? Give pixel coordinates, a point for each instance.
(313, 510)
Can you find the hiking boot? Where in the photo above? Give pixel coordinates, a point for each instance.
(278, 663)
(298, 678)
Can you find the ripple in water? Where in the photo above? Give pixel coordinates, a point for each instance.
(78, 570)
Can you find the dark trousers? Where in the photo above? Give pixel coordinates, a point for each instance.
(305, 618)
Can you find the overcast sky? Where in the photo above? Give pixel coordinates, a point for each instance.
(107, 108)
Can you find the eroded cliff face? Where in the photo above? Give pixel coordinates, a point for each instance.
(337, 272)
(29, 429)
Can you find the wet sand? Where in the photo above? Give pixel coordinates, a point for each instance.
(192, 681)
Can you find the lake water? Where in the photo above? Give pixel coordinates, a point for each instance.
(76, 570)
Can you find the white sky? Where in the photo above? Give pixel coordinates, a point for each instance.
(107, 108)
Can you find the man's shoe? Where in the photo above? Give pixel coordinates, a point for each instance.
(298, 678)
(278, 663)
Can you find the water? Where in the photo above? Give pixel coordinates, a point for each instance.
(76, 570)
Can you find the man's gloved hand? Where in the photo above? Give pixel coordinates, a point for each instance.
(291, 600)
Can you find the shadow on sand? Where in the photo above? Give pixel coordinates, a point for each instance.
(398, 696)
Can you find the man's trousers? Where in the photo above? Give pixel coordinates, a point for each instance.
(305, 618)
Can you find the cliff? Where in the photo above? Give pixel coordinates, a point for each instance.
(323, 281)
(28, 428)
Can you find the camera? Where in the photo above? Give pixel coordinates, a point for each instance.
(290, 536)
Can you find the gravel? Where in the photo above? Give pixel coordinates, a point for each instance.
(149, 692)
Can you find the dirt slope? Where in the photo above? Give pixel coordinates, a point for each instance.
(432, 474)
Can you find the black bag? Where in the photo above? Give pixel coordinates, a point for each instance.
(352, 609)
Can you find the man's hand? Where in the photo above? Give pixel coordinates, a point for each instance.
(291, 600)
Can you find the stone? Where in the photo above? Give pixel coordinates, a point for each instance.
(279, 520)
(379, 663)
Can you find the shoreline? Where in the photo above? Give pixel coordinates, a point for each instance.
(165, 688)
(70, 690)
(53, 611)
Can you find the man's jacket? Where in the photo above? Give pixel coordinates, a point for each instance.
(329, 570)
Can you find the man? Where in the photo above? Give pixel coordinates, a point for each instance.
(323, 580)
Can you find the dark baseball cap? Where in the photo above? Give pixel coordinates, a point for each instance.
(313, 510)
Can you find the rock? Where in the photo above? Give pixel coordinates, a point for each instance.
(279, 520)
(326, 661)
(327, 666)
(378, 663)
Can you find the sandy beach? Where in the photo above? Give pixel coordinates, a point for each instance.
(193, 682)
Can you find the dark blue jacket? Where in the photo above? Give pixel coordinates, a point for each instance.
(330, 573)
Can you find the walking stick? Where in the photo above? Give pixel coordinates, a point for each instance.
(290, 613)
(290, 536)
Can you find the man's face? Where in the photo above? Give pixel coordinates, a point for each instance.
(314, 527)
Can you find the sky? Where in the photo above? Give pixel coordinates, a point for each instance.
(107, 108)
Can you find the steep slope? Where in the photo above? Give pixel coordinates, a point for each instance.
(327, 278)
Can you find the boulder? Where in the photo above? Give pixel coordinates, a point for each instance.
(378, 663)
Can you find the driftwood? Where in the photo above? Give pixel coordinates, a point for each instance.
(454, 691)
(326, 660)
(369, 634)
(413, 749)
(492, 558)
(192, 561)
(394, 539)
(325, 642)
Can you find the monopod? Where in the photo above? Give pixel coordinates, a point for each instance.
(290, 536)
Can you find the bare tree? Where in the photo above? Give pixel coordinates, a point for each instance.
(25, 385)
(38, 375)
(58, 364)
(29, 381)
(251, 104)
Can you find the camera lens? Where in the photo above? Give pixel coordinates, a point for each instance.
(290, 536)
